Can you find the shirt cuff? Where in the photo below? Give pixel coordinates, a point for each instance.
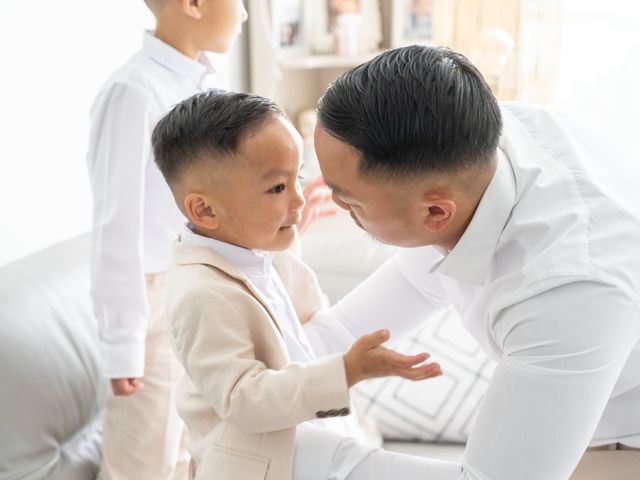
(122, 360)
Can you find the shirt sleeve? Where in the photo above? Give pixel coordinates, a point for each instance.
(396, 296)
(563, 352)
(118, 153)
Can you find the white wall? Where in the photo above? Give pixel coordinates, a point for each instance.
(54, 56)
(599, 73)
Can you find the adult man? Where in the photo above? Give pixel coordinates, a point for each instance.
(524, 224)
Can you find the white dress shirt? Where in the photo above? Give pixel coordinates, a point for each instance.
(547, 279)
(134, 213)
(257, 266)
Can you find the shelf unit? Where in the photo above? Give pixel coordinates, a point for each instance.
(296, 81)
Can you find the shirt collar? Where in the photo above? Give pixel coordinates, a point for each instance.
(176, 61)
(470, 259)
(247, 261)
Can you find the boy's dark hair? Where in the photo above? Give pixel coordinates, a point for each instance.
(414, 110)
(206, 125)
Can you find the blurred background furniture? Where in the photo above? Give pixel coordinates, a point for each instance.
(51, 390)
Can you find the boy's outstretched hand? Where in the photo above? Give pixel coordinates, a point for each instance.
(367, 358)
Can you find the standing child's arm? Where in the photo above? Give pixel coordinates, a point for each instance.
(118, 153)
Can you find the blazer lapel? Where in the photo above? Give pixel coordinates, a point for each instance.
(184, 254)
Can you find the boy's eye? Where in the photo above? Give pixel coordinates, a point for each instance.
(277, 189)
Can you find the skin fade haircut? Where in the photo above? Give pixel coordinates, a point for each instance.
(207, 126)
(412, 111)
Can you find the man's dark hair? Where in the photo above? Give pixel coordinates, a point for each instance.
(414, 110)
(207, 125)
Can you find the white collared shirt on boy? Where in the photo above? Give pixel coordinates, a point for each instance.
(257, 266)
(134, 215)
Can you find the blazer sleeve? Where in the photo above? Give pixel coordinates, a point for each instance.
(214, 340)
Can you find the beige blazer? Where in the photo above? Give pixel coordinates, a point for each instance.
(241, 397)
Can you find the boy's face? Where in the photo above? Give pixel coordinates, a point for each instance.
(221, 24)
(258, 200)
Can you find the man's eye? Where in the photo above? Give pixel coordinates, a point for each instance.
(277, 189)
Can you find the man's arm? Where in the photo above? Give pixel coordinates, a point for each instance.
(118, 152)
(398, 296)
(563, 353)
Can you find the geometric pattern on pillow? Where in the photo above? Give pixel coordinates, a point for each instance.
(433, 410)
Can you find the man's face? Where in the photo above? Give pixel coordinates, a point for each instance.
(388, 210)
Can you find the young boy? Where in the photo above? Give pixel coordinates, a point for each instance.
(133, 223)
(237, 300)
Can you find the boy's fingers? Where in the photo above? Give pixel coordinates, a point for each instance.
(125, 386)
(330, 212)
(374, 339)
(398, 360)
(410, 360)
(314, 184)
(421, 373)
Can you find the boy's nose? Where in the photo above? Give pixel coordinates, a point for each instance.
(297, 201)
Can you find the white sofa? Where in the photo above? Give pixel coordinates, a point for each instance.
(51, 390)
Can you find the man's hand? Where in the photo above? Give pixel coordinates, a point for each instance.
(367, 358)
(315, 195)
(125, 386)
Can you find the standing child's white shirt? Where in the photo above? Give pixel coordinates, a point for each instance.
(134, 215)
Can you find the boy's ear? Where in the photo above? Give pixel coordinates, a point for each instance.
(200, 211)
(192, 8)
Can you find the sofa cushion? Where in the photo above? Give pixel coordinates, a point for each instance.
(52, 392)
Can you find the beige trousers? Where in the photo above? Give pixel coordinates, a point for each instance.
(143, 436)
(609, 462)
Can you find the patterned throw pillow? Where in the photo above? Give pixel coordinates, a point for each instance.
(433, 410)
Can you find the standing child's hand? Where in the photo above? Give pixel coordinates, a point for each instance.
(125, 386)
(316, 195)
(367, 358)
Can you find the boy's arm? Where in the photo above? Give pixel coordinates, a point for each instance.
(215, 344)
(118, 152)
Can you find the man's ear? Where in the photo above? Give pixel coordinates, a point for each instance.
(200, 211)
(438, 210)
(191, 8)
